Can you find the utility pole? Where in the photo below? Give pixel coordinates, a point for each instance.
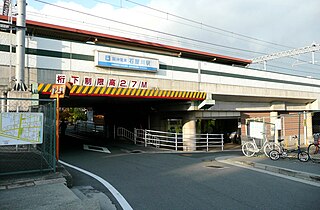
(20, 48)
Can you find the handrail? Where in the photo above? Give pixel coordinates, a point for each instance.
(169, 140)
(174, 141)
(122, 132)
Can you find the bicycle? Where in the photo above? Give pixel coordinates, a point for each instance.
(284, 153)
(249, 149)
(313, 149)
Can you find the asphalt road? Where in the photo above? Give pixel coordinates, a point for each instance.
(187, 181)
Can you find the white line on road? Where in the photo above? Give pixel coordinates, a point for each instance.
(122, 201)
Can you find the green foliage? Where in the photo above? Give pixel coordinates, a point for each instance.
(73, 114)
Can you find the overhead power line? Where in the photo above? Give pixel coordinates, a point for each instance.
(163, 33)
(152, 30)
(207, 25)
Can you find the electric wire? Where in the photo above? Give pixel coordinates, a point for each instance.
(148, 29)
(210, 26)
(201, 26)
(176, 36)
(207, 25)
(256, 41)
(166, 40)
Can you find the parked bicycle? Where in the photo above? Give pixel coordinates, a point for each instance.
(250, 148)
(284, 153)
(313, 149)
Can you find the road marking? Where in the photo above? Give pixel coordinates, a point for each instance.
(226, 161)
(96, 148)
(122, 201)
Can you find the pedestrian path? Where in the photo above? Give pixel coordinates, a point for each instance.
(49, 191)
(307, 172)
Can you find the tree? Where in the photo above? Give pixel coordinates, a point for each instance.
(73, 114)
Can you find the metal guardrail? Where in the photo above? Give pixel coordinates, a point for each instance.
(173, 141)
(88, 127)
(124, 133)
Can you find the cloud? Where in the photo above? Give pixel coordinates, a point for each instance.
(292, 23)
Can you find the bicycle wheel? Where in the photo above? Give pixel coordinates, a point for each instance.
(274, 154)
(303, 156)
(313, 151)
(248, 149)
(271, 146)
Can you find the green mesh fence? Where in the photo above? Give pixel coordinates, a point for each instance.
(27, 135)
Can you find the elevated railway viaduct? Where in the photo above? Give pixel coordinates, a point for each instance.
(135, 83)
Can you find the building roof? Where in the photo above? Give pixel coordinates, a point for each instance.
(66, 33)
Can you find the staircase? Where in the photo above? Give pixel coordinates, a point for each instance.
(92, 199)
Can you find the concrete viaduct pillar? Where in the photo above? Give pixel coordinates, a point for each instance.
(189, 132)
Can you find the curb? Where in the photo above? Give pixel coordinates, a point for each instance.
(12, 184)
(65, 174)
(284, 171)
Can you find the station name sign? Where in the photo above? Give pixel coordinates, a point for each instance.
(62, 79)
(105, 59)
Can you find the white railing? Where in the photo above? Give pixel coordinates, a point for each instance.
(139, 136)
(88, 127)
(124, 133)
(173, 141)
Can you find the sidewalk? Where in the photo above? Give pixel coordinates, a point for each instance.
(308, 171)
(49, 191)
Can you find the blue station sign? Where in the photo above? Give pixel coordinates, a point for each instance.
(114, 60)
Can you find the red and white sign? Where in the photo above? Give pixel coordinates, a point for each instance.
(75, 80)
(134, 84)
(143, 85)
(101, 82)
(61, 79)
(123, 83)
(88, 81)
(112, 82)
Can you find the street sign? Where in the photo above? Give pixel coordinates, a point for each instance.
(60, 90)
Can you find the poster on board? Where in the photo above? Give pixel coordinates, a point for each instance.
(21, 128)
(256, 129)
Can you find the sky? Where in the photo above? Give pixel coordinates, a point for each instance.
(239, 28)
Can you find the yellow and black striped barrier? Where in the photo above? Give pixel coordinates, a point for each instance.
(78, 90)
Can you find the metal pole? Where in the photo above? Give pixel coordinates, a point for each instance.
(299, 129)
(57, 128)
(20, 49)
(176, 140)
(222, 142)
(207, 142)
(145, 138)
(305, 128)
(312, 55)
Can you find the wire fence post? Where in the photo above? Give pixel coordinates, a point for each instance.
(135, 136)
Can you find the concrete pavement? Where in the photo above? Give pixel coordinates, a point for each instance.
(50, 191)
(291, 168)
